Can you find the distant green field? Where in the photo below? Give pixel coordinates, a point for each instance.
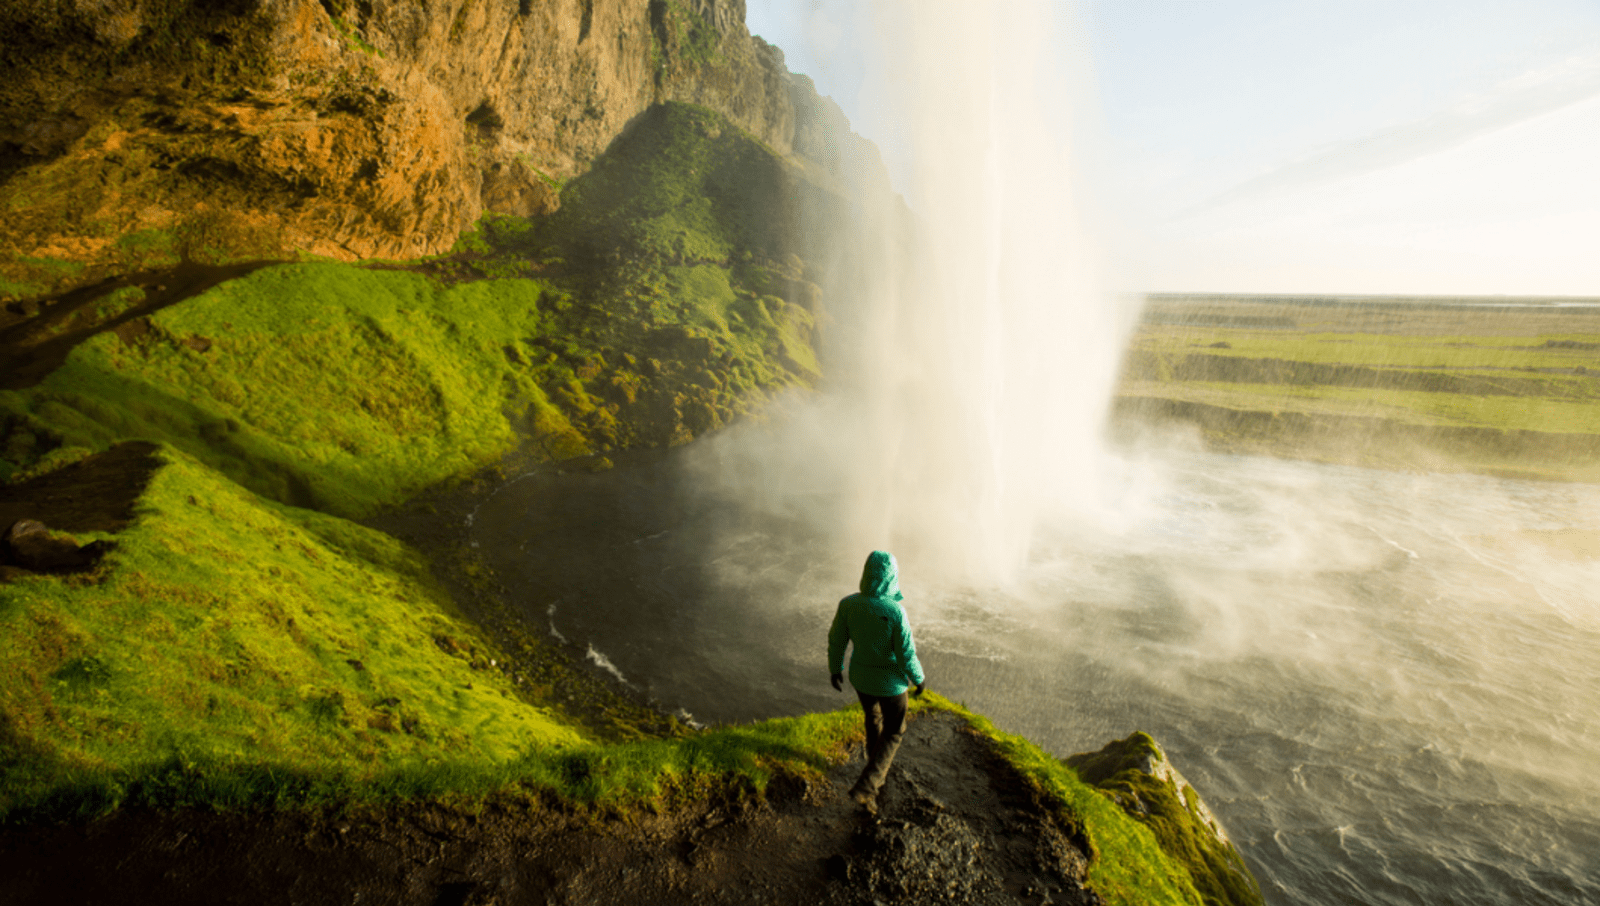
(1426, 373)
(1482, 353)
(1517, 413)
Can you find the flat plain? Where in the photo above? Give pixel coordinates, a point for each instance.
(1504, 386)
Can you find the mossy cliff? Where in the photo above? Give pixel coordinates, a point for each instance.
(199, 436)
(665, 298)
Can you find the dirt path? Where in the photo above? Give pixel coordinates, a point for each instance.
(957, 825)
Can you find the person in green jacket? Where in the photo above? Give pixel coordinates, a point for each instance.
(882, 666)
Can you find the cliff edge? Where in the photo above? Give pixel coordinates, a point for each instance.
(610, 225)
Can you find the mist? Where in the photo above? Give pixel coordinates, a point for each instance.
(1382, 682)
(973, 356)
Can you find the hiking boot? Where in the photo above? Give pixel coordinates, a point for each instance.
(867, 800)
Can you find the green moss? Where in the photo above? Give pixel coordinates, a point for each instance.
(150, 249)
(49, 462)
(696, 40)
(551, 181)
(685, 184)
(684, 249)
(354, 38)
(22, 276)
(1135, 774)
(1129, 863)
(320, 385)
(235, 632)
(117, 302)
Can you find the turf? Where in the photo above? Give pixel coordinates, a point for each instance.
(323, 385)
(230, 631)
(1386, 350)
(1409, 407)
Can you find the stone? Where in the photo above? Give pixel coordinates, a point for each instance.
(379, 129)
(1137, 775)
(31, 545)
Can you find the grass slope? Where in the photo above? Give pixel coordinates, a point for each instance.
(691, 272)
(323, 385)
(342, 389)
(246, 645)
(230, 631)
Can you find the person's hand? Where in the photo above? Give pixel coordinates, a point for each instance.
(920, 686)
(838, 682)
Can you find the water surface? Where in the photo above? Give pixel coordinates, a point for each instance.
(1387, 685)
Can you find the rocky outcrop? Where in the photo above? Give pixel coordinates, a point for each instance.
(1137, 776)
(959, 824)
(136, 133)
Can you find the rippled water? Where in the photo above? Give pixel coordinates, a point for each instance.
(1386, 685)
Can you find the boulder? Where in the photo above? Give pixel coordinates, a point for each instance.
(1136, 774)
(31, 545)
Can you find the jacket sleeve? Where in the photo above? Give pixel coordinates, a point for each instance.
(905, 649)
(838, 638)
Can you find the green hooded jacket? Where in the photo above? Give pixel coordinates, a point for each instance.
(884, 661)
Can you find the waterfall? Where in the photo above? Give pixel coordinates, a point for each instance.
(988, 364)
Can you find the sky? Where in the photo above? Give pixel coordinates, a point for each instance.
(1337, 146)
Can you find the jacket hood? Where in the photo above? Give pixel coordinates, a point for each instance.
(880, 578)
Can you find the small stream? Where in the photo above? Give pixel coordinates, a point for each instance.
(1387, 685)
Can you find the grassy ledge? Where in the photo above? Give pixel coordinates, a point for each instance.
(246, 645)
(231, 631)
(235, 652)
(1128, 862)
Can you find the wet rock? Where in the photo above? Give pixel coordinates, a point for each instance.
(958, 824)
(933, 858)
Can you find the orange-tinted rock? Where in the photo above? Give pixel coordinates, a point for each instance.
(381, 129)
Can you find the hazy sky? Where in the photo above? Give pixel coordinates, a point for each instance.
(1376, 146)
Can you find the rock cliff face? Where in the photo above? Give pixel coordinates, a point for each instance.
(135, 133)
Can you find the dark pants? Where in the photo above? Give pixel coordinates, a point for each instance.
(886, 723)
